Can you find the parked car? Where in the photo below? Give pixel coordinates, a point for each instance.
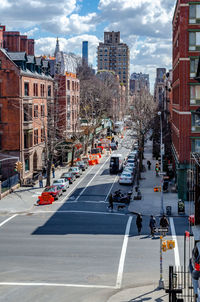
(81, 165)
(126, 178)
(69, 176)
(55, 191)
(61, 182)
(85, 160)
(76, 170)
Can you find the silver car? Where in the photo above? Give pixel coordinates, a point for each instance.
(61, 182)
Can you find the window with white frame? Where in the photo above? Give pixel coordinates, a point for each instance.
(194, 13)
(194, 94)
(196, 145)
(193, 66)
(195, 119)
(194, 40)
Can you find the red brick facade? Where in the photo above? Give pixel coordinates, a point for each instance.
(23, 113)
(186, 96)
(13, 41)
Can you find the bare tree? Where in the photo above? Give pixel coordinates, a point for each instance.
(142, 114)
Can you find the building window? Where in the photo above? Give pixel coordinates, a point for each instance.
(35, 136)
(49, 90)
(42, 108)
(68, 102)
(72, 85)
(196, 120)
(194, 14)
(0, 64)
(42, 89)
(27, 112)
(193, 67)
(42, 135)
(196, 145)
(26, 161)
(68, 84)
(194, 40)
(35, 110)
(35, 89)
(26, 89)
(0, 141)
(194, 94)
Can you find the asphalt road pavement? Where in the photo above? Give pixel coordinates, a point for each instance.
(76, 249)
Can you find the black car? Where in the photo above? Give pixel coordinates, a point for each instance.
(70, 176)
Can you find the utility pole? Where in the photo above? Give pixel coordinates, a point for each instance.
(161, 168)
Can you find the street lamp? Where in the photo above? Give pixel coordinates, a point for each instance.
(161, 168)
(161, 281)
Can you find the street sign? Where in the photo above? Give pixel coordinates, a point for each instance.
(162, 173)
(157, 230)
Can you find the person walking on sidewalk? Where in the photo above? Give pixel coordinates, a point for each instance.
(139, 223)
(152, 225)
(164, 223)
(53, 170)
(149, 164)
(110, 202)
(40, 178)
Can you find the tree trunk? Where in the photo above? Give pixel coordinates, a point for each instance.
(73, 156)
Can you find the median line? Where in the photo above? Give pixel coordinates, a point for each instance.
(54, 284)
(5, 221)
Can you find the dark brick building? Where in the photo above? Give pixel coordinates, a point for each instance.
(186, 90)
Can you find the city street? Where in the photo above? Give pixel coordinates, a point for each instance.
(76, 250)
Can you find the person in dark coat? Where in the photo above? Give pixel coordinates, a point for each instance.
(110, 202)
(139, 223)
(164, 223)
(152, 225)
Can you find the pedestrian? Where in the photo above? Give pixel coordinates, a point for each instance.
(149, 164)
(152, 225)
(40, 178)
(139, 223)
(164, 223)
(44, 171)
(53, 170)
(110, 202)
(117, 144)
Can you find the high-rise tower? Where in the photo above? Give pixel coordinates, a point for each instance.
(85, 52)
(57, 49)
(113, 55)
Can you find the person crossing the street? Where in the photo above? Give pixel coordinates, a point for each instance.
(164, 223)
(152, 225)
(110, 200)
(139, 223)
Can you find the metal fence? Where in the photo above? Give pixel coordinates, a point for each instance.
(180, 287)
(9, 182)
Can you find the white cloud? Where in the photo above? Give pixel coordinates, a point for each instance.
(47, 46)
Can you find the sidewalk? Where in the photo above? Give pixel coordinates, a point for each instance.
(150, 204)
(23, 199)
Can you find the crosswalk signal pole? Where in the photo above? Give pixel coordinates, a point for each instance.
(161, 281)
(161, 164)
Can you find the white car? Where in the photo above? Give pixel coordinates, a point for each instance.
(126, 178)
(61, 182)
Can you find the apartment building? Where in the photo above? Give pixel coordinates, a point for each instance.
(186, 90)
(25, 89)
(115, 56)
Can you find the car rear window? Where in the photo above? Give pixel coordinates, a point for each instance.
(126, 175)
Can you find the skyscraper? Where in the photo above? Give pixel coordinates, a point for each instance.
(85, 52)
(113, 55)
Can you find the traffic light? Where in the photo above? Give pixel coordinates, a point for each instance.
(170, 244)
(18, 166)
(157, 167)
(164, 246)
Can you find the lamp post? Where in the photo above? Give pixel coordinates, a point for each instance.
(161, 168)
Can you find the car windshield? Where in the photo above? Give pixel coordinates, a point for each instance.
(58, 181)
(51, 189)
(126, 175)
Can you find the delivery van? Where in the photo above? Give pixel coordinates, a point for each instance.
(116, 163)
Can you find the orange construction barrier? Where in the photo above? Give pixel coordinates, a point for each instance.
(91, 162)
(45, 198)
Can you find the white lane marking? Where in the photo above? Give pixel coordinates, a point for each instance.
(54, 284)
(111, 187)
(5, 221)
(123, 254)
(176, 251)
(90, 201)
(73, 189)
(91, 179)
(74, 211)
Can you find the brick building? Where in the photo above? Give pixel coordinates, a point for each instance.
(14, 42)
(25, 89)
(186, 90)
(68, 101)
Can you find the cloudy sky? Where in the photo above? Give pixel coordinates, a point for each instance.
(145, 25)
